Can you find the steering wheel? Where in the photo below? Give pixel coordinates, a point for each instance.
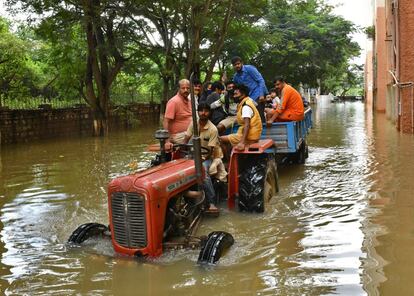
(186, 149)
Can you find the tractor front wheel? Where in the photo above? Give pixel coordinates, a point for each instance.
(217, 243)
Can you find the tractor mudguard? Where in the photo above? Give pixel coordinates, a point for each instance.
(87, 230)
(217, 243)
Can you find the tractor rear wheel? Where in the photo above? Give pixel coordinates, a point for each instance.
(217, 243)
(258, 182)
(86, 231)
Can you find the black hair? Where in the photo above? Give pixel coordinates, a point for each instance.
(243, 89)
(229, 82)
(235, 59)
(273, 90)
(196, 81)
(279, 78)
(217, 85)
(203, 106)
(206, 84)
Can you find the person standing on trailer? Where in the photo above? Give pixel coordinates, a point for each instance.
(248, 118)
(251, 77)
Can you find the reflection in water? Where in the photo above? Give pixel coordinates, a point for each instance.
(331, 228)
(391, 263)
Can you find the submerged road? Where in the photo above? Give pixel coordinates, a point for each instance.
(342, 223)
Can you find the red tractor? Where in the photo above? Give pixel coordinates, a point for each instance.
(161, 208)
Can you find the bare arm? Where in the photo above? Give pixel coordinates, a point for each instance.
(186, 139)
(166, 123)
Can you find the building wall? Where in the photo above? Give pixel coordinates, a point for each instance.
(393, 52)
(406, 62)
(392, 89)
(380, 59)
(369, 81)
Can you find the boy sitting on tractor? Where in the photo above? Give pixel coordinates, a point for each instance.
(210, 143)
(248, 119)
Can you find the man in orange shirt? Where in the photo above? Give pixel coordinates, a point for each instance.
(291, 107)
(177, 116)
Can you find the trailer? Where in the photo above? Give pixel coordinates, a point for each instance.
(289, 138)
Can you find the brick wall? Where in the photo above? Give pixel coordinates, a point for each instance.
(28, 125)
(406, 62)
(380, 58)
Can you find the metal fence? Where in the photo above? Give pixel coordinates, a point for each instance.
(118, 99)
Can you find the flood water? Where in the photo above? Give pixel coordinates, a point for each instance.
(343, 223)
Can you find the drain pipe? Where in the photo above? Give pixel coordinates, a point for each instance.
(402, 85)
(196, 137)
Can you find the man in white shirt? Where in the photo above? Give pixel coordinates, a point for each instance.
(248, 118)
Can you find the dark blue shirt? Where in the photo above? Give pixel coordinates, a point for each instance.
(249, 76)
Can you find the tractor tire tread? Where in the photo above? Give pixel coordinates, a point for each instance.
(251, 188)
(86, 231)
(217, 243)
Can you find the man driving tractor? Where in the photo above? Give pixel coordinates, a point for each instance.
(210, 143)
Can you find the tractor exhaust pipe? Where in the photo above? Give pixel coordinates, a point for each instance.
(196, 137)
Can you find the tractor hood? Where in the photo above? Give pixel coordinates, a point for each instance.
(166, 179)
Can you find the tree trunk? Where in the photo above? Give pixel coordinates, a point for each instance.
(199, 14)
(100, 123)
(100, 74)
(165, 94)
(218, 46)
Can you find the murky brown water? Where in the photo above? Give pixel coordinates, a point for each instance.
(343, 223)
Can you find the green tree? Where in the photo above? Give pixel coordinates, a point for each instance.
(13, 63)
(350, 79)
(181, 37)
(103, 27)
(305, 42)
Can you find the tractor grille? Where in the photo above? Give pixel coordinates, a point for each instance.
(128, 219)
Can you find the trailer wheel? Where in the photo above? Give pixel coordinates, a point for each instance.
(86, 231)
(306, 151)
(258, 183)
(217, 243)
(301, 154)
